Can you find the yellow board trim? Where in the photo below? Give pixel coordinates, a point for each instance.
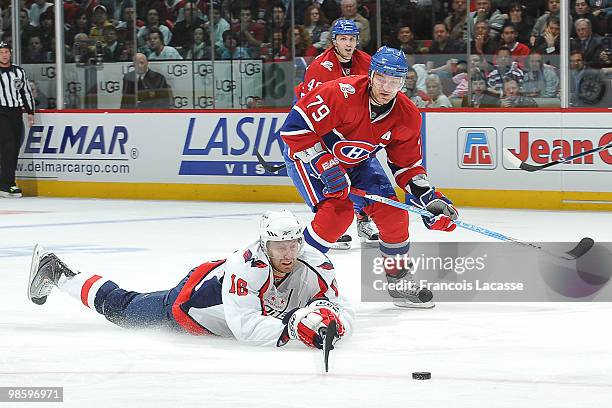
(541, 200)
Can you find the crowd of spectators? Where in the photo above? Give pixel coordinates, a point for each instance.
(509, 41)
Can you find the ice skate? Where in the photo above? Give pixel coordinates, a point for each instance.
(45, 271)
(406, 294)
(344, 243)
(366, 230)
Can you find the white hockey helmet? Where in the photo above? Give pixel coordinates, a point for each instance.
(279, 226)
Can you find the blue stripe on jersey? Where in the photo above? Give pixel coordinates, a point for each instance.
(397, 249)
(293, 122)
(102, 293)
(313, 242)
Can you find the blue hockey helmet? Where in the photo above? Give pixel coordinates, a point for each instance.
(389, 61)
(344, 27)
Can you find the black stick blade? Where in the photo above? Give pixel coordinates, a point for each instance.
(330, 335)
(270, 168)
(582, 248)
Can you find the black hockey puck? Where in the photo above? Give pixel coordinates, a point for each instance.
(421, 375)
(425, 295)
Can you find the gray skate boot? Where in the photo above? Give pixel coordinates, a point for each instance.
(406, 294)
(366, 229)
(45, 271)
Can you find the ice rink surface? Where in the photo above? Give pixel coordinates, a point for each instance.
(480, 354)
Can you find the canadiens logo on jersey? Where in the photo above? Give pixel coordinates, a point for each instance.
(352, 151)
(327, 65)
(347, 89)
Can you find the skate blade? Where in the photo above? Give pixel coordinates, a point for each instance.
(343, 246)
(406, 304)
(38, 250)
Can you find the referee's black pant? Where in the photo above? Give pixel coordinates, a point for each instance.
(11, 136)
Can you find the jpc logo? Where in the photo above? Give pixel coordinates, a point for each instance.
(477, 148)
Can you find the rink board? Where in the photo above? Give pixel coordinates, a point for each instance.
(195, 155)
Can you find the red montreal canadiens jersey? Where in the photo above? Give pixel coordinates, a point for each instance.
(337, 114)
(326, 67)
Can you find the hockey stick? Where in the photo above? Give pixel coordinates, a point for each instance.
(516, 162)
(270, 168)
(580, 249)
(329, 335)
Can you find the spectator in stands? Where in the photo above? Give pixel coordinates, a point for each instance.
(588, 43)
(479, 64)
(114, 9)
(159, 50)
(153, 23)
(219, 26)
(434, 97)
(277, 50)
(169, 9)
(513, 99)
(518, 50)
(582, 9)
(480, 96)
(457, 21)
(522, 23)
(494, 18)
(329, 8)
(100, 22)
(317, 25)
(505, 68)
(81, 25)
(410, 88)
(549, 43)
(198, 49)
(183, 30)
(405, 41)
(586, 87)
(540, 24)
(442, 43)
(41, 101)
(250, 33)
(348, 11)
(113, 48)
(46, 30)
(82, 52)
(461, 79)
(301, 39)
(277, 20)
(127, 18)
(540, 80)
(34, 54)
(144, 88)
(36, 9)
(26, 29)
(230, 49)
(482, 43)
(128, 50)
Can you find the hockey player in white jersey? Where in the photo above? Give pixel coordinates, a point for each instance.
(278, 289)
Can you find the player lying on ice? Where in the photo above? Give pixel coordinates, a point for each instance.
(278, 289)
(332, 135)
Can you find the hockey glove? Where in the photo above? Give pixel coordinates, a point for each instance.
(425, 196)
(306, 323)
(326, 167)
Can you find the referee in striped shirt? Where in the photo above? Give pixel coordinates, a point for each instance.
(15, 97)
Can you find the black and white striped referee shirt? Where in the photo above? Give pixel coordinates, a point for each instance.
(15, 91)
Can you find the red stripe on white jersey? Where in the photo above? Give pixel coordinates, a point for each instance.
(87, 287)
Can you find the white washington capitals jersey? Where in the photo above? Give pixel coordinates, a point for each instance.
(252, 307)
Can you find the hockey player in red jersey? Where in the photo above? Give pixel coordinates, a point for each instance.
(332, 135)
(340, 60)
(277, 289)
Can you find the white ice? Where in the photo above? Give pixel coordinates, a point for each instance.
(480, 354)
